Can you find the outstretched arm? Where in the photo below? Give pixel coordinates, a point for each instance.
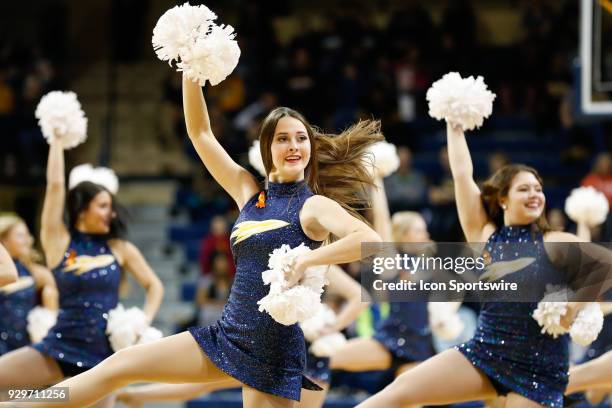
(342, 284)
(234, 179)
(472, 215)
(380, 210)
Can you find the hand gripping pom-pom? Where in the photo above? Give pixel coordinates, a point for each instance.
(587, 205)
(40, 321)
(327, 345)
(60, 117)
(550, 310)
(386, 160)
(463, 101)
(204, 51)
(126, 327)
(290, 305)
(444, 320)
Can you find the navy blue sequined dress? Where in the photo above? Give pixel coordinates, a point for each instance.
(317, 368)
(405, 333)
(508, 345)
(88, 282)
(16, 301)
(248, 344)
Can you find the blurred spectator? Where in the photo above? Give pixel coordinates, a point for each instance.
(216, 243)
(444, 222)
(600, 176)
(406, 188)
(496, 161)
(213, 291)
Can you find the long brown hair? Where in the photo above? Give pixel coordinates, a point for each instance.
(339, 166)
(497, 187)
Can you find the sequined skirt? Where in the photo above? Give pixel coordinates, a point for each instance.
(516, 357)
(257, 351)
(317, 368)
(79, 338)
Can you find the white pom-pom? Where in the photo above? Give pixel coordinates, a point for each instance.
(99, 175)
(150, 334)
(126, 327)
(255, 158)
(327, 345)
(587, 205)
(178, 27)
(464, 101)
(204, 50)
(40, 321)
(60, 116)
(312, 327)
(587, 325)
(386, 160)
(444, 320)
(212, 57)
(298, 303)
(551, 308)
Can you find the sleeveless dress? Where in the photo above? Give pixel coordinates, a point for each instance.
(88, 282)
(405, 333)
(16, 301)
(245, 343)
(508, 346)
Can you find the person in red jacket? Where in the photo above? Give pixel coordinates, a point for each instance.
(216, 242)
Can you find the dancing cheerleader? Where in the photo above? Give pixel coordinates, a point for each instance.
(18, 299)
(508, 354)
(8, 272)
(87, 257)
(305, 168)
(403, 339)
(317, 368)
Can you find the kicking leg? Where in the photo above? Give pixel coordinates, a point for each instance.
(443, 379)
(136, 396)
(174, 359)
(596, 373)
(514, 400)
(360, 355)
(313, 399)
(26, 367)
(251, 398)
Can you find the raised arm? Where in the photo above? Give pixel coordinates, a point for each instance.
(8, 272)
(54, 236)
(380, 210)
(472, 215)
(132, 261)
(234, 179)
(342, 284)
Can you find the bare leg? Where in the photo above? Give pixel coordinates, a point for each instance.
(172, 359)
(108, 402)
(361, 355)
(596, 373)
(135, 396)
(595, 397)
(251, 398)
(313, 399)
(514, 400)
(401, 370)
(26, 367)
(443, 379)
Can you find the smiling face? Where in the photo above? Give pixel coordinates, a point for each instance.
(290, 150)
(525, 200)
(96, 219)
(18, 241)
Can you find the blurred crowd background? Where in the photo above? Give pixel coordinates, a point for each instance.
(334, 61)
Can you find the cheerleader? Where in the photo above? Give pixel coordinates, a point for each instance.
(87, 257)
(18, 299)
(305, 169)
(8, 272)
(508, 354)
(317, 368)
(403, 339)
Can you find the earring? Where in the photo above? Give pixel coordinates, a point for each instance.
(504, 207)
